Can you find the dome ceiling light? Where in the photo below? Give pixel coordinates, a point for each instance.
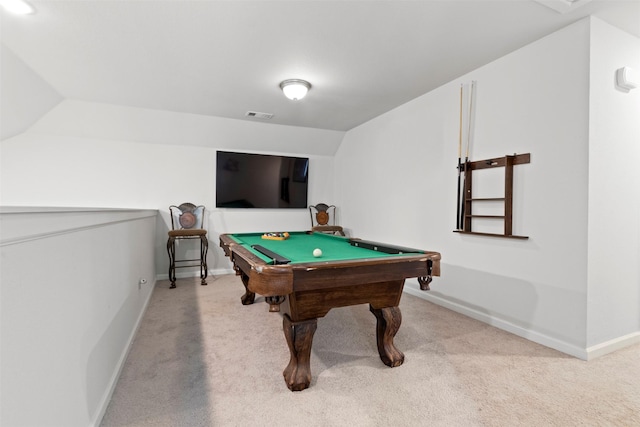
(295, 89)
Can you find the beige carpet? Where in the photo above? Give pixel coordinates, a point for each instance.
(202, 359)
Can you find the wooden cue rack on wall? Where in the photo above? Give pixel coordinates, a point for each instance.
(507, 162)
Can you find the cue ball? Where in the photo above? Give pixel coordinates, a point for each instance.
(317, 252)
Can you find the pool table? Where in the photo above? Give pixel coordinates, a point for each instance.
(348, 272)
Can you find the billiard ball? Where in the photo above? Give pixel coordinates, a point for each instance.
(317, 252)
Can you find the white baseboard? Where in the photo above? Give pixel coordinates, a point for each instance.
(104, 403)
(610, 346)
(589, 353)
(505, 325)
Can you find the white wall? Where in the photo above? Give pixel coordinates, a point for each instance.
(96, 155)
(614, 183)
(25, 96)
(121, 123)
(71, 302)
(401, 170)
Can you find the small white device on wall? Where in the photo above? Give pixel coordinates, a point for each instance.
(627, 78)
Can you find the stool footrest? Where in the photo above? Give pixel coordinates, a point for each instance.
(202, 261)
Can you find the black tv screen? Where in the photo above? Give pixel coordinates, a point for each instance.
(246, 180)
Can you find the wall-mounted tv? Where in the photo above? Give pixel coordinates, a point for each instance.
(262, 181)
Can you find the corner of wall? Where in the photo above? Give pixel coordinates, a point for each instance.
(25, 96)
(613, 307)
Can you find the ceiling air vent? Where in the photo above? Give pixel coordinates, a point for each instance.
(257, 115)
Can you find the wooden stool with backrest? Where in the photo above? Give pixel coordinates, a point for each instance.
(324, 214)
(187, 223)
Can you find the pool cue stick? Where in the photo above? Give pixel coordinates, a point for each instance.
(471, 115)
(466, 158)
(458, 225)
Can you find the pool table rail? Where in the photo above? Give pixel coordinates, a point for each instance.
(279, 280)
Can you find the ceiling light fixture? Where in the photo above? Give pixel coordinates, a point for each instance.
(295, 89)
(19, 7)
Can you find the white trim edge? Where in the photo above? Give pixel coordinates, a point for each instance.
(528, 334)
(610, 346)
(113, 381)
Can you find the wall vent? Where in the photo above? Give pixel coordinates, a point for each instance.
(257, 115)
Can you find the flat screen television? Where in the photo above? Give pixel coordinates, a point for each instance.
(261, 181)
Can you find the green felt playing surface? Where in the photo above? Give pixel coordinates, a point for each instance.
(300, 245)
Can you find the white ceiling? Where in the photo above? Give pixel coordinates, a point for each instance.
(224, 58)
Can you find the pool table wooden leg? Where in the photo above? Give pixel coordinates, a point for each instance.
(274, 302)
(249, 297)
(299, 337)
(389, 320)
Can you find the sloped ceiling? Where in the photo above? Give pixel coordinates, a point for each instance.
(224, 58)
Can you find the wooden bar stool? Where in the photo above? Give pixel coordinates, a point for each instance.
(186, 224)
(324, 214)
